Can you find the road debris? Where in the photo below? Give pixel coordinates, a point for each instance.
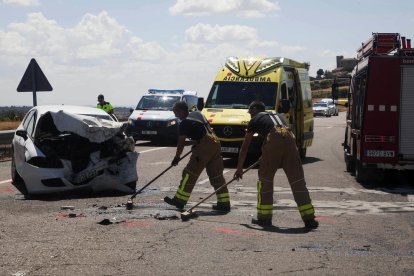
(67, 208)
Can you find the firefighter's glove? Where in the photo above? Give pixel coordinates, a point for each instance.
(175, 161)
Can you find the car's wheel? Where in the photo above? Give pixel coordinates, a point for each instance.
(17, 180)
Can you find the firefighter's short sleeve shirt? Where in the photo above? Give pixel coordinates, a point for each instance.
(262, 123)
(192, 129)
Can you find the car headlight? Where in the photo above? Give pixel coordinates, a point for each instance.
(171, 123)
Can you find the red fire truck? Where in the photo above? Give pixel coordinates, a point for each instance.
(379, 133)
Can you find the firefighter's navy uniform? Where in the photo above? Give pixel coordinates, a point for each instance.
(279, 151)
(206, 153)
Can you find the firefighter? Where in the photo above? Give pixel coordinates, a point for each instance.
(278, 151)
(206, 153)
(105, 106)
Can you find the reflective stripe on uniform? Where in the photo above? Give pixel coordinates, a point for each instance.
(180, 192)
(223, 197)
(266, 209)
(306, 209)
(263, 209)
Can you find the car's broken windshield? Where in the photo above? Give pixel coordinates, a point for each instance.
(157, 102)
(239, 95)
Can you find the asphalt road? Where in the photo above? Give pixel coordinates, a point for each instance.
(364, 229)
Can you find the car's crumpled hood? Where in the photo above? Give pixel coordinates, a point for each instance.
(94, 129)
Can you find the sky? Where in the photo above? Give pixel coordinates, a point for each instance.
(122, 48)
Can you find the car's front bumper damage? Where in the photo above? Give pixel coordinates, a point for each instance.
(86, 153)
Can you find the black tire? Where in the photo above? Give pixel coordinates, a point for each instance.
(132, 185)
(302, 153)
(360, 172)
(349, 163)
(17, 180)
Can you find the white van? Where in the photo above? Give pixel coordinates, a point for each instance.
(153, 118)
(331, 105)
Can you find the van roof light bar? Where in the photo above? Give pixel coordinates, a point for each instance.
(166, 91)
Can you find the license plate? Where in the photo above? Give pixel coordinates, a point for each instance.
(380, 153)
(149, 132)
(89, 173)
(229, 150)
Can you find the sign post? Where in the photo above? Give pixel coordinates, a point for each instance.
(34, 80)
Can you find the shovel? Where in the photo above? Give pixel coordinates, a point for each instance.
(130, 203)
(190, 214)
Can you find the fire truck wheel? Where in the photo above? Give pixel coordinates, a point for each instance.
(349, 163)
(360, 172)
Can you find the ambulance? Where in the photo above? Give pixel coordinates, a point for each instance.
(153, 118)
(281, 83)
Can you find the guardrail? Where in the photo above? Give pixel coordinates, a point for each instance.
(6, 136)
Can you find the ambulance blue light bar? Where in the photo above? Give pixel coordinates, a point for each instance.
(166, 91)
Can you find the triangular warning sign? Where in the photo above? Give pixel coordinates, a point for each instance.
(33, 79)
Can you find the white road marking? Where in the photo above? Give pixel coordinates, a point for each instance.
(144, 151)
(6, 181)
(325, 207)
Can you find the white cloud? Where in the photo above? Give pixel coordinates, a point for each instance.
(242, 8)
(292, 49)
(206, 33)
(327, 53)
(23, 3)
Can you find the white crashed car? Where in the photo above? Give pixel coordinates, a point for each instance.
(58, 148)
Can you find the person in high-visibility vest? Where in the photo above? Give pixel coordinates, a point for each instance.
(206, 153)
(105, 106)
(278, 151)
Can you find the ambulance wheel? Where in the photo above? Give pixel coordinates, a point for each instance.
(302, 153)
(360, 172)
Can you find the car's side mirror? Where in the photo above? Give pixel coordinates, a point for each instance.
(284, 106)
(200, 103)
(22, 133)
(131, 110)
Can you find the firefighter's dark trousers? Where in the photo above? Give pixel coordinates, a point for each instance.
(205, 154)
(279, 151)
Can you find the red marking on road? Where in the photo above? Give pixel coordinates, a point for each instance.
(233, 231)
(7, 190)
(325, 219)
(139, 118)
(210, 120)
(229, 74)
(139, 223)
